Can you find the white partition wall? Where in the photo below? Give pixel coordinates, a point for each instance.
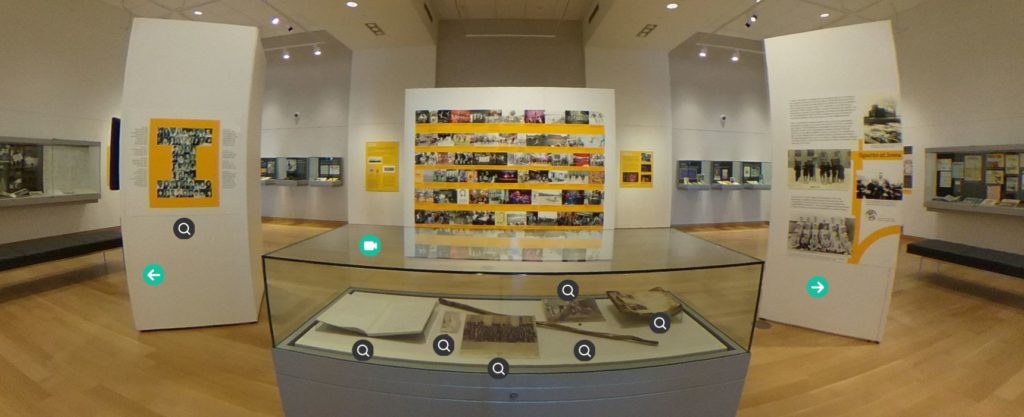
(190, 150)
(837, 165)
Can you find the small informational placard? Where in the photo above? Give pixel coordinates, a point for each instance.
(972, 168)
(382, 166)
(636, 169)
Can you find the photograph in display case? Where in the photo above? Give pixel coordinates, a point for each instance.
(296, 169)
(646, 304)
(882, 123)
(819, 169)
(500, 335)
(822, 235)
(579, 310)
(268, 168)
(21, 170)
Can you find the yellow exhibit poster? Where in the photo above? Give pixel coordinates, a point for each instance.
(382, 166)
(184, 163)
(636, 169)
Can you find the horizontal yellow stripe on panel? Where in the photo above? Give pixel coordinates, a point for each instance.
(507, 242)
(489, 227)
(507, 168)
(515, 149)
(509, 186)
(535, 128)
(509, 207)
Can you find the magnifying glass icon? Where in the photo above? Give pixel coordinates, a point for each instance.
(584, 350)
(497, 368)
(184, 229)
(568, 290)
(443, 346)
(660, 323)
(362, 350)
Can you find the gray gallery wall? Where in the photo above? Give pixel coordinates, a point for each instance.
(510, 53)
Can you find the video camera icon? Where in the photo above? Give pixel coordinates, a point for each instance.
(369, 245)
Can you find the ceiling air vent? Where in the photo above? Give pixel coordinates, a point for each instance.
(646, 30)
(375, 29)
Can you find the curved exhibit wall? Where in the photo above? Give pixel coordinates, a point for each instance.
(65, 83)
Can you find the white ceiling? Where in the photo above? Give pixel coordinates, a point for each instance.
(511, 9)
(616, 25)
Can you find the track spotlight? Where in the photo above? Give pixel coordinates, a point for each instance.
(286, 55)
(751, 20)
(703, 52)
(735, 56)
(317, 51)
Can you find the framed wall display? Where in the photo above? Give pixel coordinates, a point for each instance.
(724, 173)
(184, 163)
(979, 179)
(521, 169)
(636, 169)
(690, 175)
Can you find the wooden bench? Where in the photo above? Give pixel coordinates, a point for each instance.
(53, 248)
(986, 259)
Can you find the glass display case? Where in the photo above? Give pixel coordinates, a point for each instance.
(360, 322)
(291, 171)
(724, 175)
(690, 175)
(42, 171)
(756, 175)
(327, 172)
(977, 179)
(268, 169)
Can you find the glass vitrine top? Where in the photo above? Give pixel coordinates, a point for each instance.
(614, 251)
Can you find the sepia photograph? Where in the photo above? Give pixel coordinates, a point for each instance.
(880, 180)
(821, 234)
(882, 123)
(580, 310)
(576, 117)
(547, 197)
(819, 169)
(505, 336)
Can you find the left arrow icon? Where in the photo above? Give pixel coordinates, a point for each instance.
(153, 275)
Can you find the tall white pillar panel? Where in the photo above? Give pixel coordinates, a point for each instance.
(190, 190)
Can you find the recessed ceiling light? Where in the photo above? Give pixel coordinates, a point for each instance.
(735, 56)
(317, 51)
(703, 52)
(825, 15)
(286, 55)
(197, 12)
(352, 4)
(275, 20)
(672, 6)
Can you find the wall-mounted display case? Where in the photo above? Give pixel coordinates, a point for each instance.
(690, 175)
(46, 171)
(724, 176)
(978, 179)
(756, 175)
(268, 169)
(288, 171)
(394, 334)
(327, 172)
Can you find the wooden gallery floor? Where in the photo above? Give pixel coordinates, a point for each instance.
(954, 347)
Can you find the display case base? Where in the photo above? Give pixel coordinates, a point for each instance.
(313, 385)
(49, 199)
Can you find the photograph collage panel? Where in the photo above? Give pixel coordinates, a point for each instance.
(183, 142)
(573, 117)
(821, 234)
(819, 169)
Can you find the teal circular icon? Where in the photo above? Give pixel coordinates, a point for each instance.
(369, 245)
(817, 287)
(153, 275)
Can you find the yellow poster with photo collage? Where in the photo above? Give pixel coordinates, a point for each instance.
(184, 161)
(636, 169)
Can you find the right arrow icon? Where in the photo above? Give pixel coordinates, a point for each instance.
(817, 287)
